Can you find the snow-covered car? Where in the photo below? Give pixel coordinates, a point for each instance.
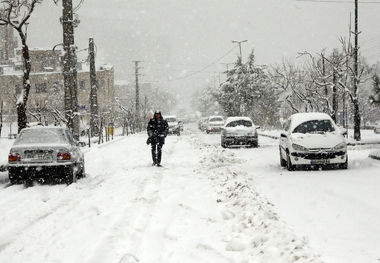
(202, 124)
(174, 126)
(312, 139)
(215, 124)
(48, 153)
(376, 129)
(180, 123)
(239, 131)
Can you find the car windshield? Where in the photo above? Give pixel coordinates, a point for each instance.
(244, 123)
(41, 136)
(216, 119)
(171, 119)
(315, 126)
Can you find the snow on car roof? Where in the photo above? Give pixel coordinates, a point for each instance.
(171, 116)
(215, 116)
(298, 118)
(230, 119)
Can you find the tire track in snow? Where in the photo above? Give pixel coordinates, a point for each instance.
(123, 229)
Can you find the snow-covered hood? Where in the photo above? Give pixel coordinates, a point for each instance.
(239, 130)
(317, 141)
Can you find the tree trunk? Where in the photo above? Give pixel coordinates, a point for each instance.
(23, 99)
(1, 116)
(357, 120)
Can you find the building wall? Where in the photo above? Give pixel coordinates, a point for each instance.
(8, 43)
(47, 91)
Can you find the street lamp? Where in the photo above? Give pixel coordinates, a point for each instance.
(239, 43)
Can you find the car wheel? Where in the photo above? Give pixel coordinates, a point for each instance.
(178, 133)
(82, 173)
(282, 160)
(289, 164)
(69, 175)
(13, 177)
(344, 165)
(223, 144)
(207, 131)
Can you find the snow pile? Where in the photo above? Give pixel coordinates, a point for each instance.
(254, 227)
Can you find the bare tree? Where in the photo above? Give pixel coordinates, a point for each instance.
(16, 13)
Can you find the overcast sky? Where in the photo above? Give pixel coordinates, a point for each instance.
(177, 37)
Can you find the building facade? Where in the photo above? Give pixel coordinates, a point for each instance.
(46, 97)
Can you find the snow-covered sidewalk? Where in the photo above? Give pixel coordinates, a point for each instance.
(198, 208)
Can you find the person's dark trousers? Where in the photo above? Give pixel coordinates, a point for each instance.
(156, 152)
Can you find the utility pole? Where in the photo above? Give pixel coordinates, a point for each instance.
(357, 120)
(70, 69)
(137, 113)
(334, 91)
(94, 118)
(239, 43)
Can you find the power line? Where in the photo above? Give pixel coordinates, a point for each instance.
(204, 68)
(338, 2)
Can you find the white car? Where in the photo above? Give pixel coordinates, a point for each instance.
(174, 125)
(312, 139)
(239, 131)
(48, 153)
(376, 129)
(214, 124)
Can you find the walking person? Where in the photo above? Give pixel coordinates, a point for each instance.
(157, 131)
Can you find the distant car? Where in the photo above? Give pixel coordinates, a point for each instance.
(180, 123)
(214, 124)
(239, 131)
(312, 139)
(174, 126)
(48, 153)
(202, 124)
(376, 129)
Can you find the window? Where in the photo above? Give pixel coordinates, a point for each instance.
(41, 88)
(82, 85)
(18, 89)
(315, 126)
(240, 123)
(6, 90)
(55, 87)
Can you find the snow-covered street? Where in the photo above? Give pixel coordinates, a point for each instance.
(206, 204)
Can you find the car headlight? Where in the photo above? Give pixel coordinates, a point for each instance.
(340, 146)
(298, 147)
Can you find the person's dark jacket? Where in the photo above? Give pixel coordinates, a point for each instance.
(157, 130)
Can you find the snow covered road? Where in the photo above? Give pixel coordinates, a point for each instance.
(206, 204)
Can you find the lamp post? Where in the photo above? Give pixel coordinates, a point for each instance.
(239, 43)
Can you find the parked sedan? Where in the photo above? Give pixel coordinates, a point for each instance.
(239, 131)
(312, 139)
(45, 153)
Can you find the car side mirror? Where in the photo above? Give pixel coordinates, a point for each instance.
(283, 135)
(343, 132)
(258, 127)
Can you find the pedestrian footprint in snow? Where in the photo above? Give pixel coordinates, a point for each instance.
(157, 131)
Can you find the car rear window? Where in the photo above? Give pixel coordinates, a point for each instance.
(216, 119)
(171, 119)
(315, 126)
(244, 123)
(41, 136)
